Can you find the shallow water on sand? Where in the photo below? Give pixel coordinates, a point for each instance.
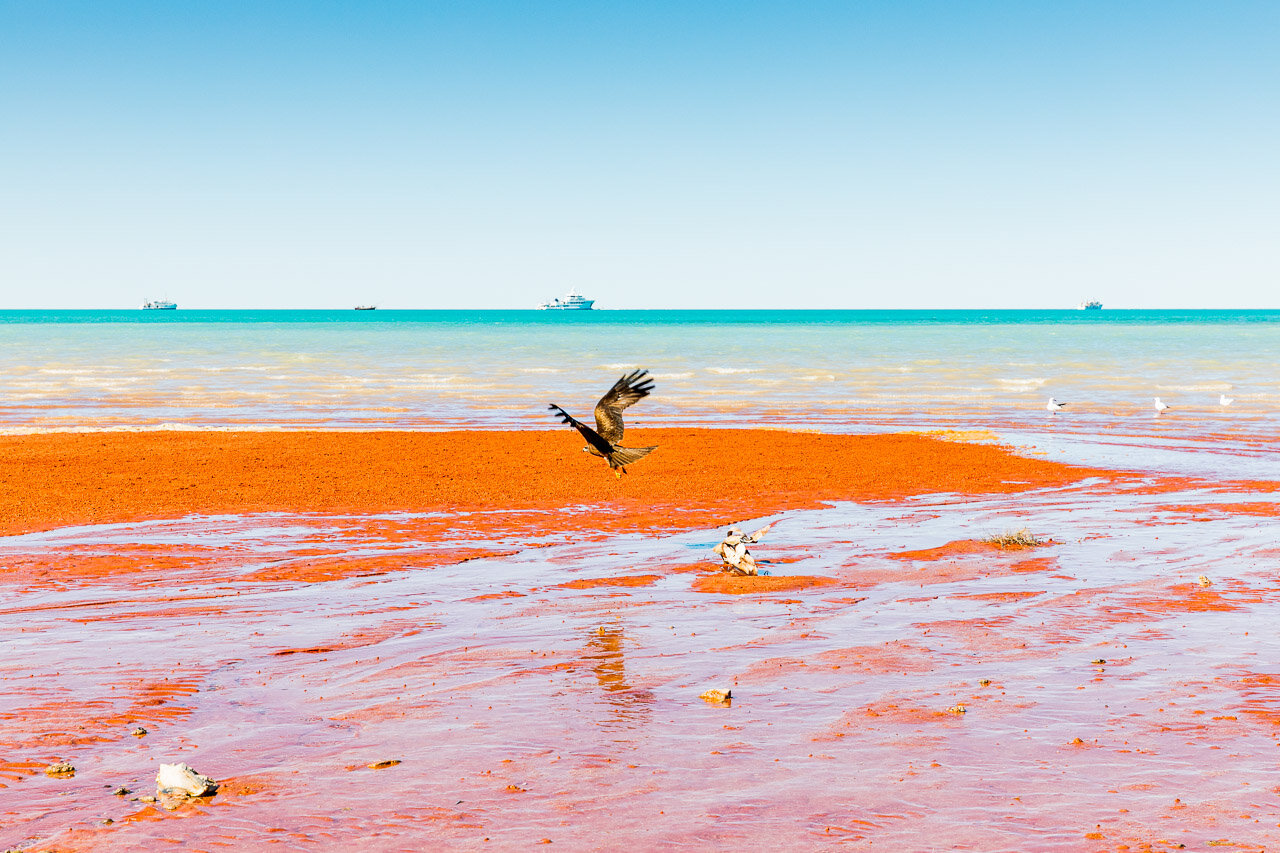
(826, 370)
(910, 689)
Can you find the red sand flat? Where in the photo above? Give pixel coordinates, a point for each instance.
(524, 663)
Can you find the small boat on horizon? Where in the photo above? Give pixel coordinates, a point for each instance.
(1091, 305)
(366, 307)
(572, 301)
(159, 305)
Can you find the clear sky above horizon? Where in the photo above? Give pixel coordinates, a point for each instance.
(676, 155)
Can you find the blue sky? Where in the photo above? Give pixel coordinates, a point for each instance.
(684, 155)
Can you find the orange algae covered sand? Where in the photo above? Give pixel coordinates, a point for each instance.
(591, 583)
(746, 584)
(61, 479)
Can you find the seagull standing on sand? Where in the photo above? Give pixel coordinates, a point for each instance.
(603, 440)
(733, 550)
(1054, 406)
(1224, 400)
(1159, 406)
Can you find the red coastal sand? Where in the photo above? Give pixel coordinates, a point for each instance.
(696, 477)
(484, 640)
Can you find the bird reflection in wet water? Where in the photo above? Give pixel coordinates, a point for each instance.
(631, 705)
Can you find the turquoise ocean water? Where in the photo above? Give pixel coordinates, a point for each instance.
(830, 370)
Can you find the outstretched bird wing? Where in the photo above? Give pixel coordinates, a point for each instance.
(593, 438)
(627, 390)
(759, 534)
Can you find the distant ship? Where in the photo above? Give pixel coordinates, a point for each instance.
(365, 307)
(573, 301)
(159, 305)
(1091, 305)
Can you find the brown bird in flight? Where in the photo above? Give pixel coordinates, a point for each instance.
(603, 440)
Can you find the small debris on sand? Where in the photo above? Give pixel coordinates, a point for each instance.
(957, 710)
(171, 799)
(182, 780)
(1015, 539)
(122, 791)
(1204, 581)
(717, 697)
(139, 732)
(382, 765)
(62, 768)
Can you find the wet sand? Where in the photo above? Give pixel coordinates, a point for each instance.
(528, 638)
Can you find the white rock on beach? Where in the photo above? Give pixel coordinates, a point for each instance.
(179, 778)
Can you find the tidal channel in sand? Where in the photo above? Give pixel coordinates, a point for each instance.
(528, 637)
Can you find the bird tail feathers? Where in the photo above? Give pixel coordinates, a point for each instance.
(626, 455)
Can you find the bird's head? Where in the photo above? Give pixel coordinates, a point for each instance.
(733, 531)
(586, 448)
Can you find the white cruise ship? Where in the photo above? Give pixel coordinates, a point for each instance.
(159, 305)
(573, 301)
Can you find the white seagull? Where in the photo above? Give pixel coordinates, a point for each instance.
(1054, 406)
(1159, 406)
(1224, 400)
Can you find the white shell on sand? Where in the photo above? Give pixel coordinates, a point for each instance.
(181, 778)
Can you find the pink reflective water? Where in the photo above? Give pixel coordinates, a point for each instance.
(1087, 694)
